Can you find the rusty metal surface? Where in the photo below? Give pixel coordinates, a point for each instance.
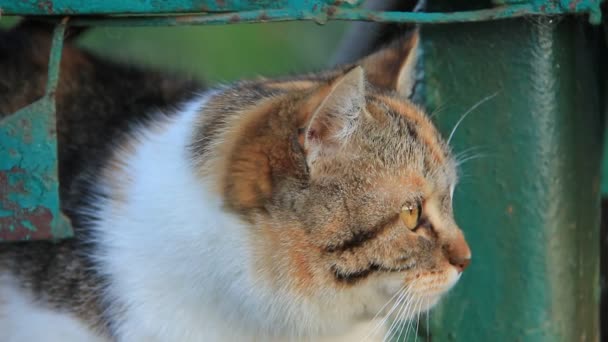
(251, 11)
(29, 194)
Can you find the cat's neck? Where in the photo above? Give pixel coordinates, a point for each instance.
(160, 227)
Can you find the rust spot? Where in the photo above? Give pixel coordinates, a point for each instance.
(573, 4)
(221, 3)
(24, 223)
(235, 18)
(331, 11)
(46, 5)
(510, 210)
(374, 17)
(15, 227)
(26, 126)
(263, 16)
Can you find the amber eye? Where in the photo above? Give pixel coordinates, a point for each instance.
(410, 215)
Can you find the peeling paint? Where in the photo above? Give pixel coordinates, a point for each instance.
(252, 11)
(29, 189)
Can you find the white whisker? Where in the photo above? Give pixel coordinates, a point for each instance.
(469, 151)
(395, 322)
(473, 157)
(402, 289)
(487, 98)
(406, 300)
(428, 324)
(409, 322)
(405, 314)
(402, 293)
(417, 321)
(438, 110)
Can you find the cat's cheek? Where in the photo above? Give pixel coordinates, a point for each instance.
(453, 277)
(393, 284)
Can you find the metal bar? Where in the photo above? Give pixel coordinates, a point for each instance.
(55, 58)
(277, 10)
(97, 7)
(324, 14)
(530, 207)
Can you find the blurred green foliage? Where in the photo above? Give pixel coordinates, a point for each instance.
(219, 53)
(222, 53)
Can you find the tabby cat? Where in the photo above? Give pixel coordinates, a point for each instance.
(298, 208)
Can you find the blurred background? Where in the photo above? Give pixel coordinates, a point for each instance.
(218, 54)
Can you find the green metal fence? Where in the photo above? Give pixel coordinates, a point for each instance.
(531, 215)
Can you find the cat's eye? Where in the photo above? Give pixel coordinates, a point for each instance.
(410, 215)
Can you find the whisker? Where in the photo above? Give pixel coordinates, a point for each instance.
(417, 321)
(393, 297)
(408, 299)
(403, 324)
(485, 99)
(441, 108)
(403, 315)
(469, 151)
(472, 148)
(473, 157)
(402, 293)
(409, 323)
(401, 298)
(428, 324)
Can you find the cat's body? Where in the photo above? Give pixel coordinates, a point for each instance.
(256, 212)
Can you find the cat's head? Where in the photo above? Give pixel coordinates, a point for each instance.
(346, 185)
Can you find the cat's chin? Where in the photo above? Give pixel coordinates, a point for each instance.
(418, 294)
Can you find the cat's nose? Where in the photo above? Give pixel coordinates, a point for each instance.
(458, 252)
(460, 264)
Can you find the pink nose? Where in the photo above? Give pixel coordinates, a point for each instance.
(460, 264)
(458, 253)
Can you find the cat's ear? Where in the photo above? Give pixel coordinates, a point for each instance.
(335, 115)
(393, 67)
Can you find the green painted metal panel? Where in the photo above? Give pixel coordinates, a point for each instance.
(29, 194)
(29, 204)
(530, 207)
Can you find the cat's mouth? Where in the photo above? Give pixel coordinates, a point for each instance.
(353, 277)
(424, 289)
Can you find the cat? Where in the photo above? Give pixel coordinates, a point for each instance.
(294, 208)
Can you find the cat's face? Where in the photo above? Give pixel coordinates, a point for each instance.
(348, 189)
(378, 209)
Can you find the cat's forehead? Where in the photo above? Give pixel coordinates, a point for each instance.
(400, 139)
(403, 185)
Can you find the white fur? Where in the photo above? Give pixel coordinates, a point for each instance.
(24, 320)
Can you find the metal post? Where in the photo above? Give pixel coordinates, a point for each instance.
(531, 207)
